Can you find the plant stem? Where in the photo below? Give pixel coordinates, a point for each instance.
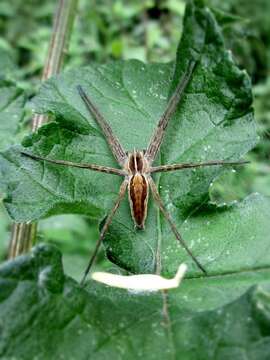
(23, 235)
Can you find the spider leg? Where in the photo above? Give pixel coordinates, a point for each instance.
(93, 167)
(167, 216)
(173, 102)
(117, 150)
(173, 167)
(104, 229)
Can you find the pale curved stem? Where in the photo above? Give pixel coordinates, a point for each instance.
(23, 234)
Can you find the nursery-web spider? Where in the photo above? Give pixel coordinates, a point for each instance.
(136, 167)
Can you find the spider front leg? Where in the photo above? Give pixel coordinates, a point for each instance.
(173, 167)
(116, 148)
(99, 168)
(167, 216)
(105, 227)
(157, 137)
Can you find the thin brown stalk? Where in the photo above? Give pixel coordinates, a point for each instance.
(23, 235)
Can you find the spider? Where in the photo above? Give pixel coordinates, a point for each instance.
(136, 167)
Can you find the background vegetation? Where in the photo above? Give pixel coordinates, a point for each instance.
(149, 31)
(44, 313)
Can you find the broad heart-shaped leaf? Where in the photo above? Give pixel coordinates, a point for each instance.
(46, 315)
(214, 121)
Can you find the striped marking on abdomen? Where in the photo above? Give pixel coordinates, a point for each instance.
(138, 195)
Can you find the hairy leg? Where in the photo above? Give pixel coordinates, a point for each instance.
(116, 148)
(173, 167)
(99, 168)
(105, 228)
(167, 216)
(173, 102)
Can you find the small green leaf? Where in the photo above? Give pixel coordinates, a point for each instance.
(46, 315)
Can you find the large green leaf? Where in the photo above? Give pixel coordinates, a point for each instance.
(46, 315)
(214, 121)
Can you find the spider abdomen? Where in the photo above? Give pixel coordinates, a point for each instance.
(138, 198)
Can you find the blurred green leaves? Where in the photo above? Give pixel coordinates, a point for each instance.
(248, 35)
(12, 101)
(104, 30)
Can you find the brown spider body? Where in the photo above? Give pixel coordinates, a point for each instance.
(138, 187)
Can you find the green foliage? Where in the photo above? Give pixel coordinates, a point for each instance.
(213, 122)
(262, 111)
(76, 236)
(58, 319)
(12, 101)
(248, 34)
(4, 233)
(145, 30)
(104, 30)
(44, 314)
